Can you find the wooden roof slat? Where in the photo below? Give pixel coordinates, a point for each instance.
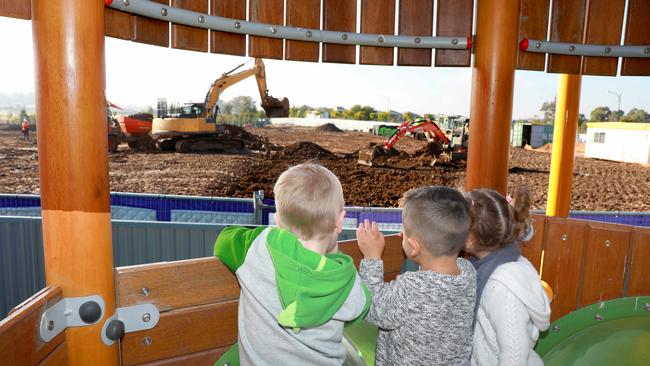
(21, 9)
(604, 26)
(533, 24)
(117, 24)
(377, 17)
(637, 32)
(567, 25)
(415, 19)
(270, 12)
(190, 38)
(224, 42)
(304, 14)
(151, 31)
(339, 15)
(454, 19)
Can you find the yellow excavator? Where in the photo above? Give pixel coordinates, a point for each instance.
(193, 127)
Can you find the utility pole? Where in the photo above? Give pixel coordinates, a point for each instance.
(618, 95)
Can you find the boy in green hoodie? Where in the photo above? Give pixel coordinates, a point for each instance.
(297, 292)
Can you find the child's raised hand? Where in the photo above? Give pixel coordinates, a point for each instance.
(371, 240)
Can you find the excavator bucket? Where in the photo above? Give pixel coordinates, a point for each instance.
(276, 108)
(367, 156)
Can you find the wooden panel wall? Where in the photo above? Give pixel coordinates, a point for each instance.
(190, 38)
(393, 255)
(198, 303)
(304, 14)
(563, 250)
(224, 42)
(151, 31)
(533, 24)
(339, 15)
(20, 344)
(603, 277)
(415, 19)
(604, 25)
(639, 264)
(270, 12)
(567, 25)
(117, 24)
(377, 17)
(454, 19)
(532, 249)
(21, 9)
(637, 32)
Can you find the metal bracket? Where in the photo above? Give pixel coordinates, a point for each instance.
(66, 313)
(132, 319)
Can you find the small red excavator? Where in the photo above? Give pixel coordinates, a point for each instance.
(421, 127)
(133, 129)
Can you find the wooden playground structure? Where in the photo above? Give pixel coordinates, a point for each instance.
(584, 262)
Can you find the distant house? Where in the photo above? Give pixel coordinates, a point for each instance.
(531, 133)
(619, 141)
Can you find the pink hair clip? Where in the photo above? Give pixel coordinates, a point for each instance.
(509, 199)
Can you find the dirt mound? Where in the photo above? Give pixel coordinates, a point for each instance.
(252, 141)
(306, 150)
(431, 149)
(545, 148)
(328, 127)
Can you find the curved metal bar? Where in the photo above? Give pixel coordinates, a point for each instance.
(577, 49)
(196, 19)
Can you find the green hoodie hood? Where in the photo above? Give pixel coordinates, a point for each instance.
(312, 287)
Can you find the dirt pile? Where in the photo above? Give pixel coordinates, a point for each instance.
(328, 127)
(306, 150)
(252, 141)
(431, 149)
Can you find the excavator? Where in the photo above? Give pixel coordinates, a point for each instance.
(194, 127)
(422, 127)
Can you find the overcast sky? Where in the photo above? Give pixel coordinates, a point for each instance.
(137, 74)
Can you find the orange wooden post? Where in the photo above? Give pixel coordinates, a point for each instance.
(497, 27)
(73, 162)
(564, 142)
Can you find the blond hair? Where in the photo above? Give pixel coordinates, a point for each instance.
(309, 200)
(438, 217)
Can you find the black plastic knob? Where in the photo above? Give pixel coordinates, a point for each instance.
(90, 312)
(115, 330)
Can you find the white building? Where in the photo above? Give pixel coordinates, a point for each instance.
(619, 141)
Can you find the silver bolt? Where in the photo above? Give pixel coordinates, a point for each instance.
(237, 25)
(308, 33)
(126, 2)
(144, 291)
(344, 37)
(565, 237)
(146, 317)
(146, 341)
(556, 328)
(274, 30)
(201, 19)
(598, 317)
(572, 48)
(538, 45)
(380, 39)
(647, 306)
(608, 243)
(163, 11)
(608, 49)
(50, 325)
(417, 40)
(454, 41)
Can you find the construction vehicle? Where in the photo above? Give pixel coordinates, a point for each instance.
(194, 127)
(440, 142)
(133, 129)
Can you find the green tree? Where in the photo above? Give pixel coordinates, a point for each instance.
(430, 116)
(582, 123)
(636, 115)
(549, 111)
(408, 116)
(23, 115)
(600, 114)
(384, 116)
(298, 112)
(616, 116)
(242, 104)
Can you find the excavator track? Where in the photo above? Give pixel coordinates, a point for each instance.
(204, 144)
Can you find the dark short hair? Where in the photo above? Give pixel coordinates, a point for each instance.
(438, 217)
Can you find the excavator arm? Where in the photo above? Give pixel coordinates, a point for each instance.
(272, 106)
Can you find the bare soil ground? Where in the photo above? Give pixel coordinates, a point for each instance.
(598, 185)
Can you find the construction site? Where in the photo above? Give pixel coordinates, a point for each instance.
(598, 185)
